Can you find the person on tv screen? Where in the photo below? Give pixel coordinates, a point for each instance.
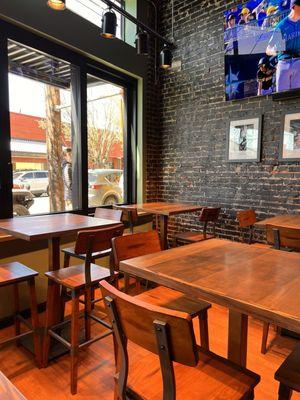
(285, 43)
(244, 16)
(271, 20)
(265, 75)
(230, 37)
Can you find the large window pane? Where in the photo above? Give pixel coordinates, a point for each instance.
(105, 142)
(41, 131)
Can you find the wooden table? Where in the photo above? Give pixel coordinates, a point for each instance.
(164, 211)
(284, 221)
(52, 227)
(248, 280)
(8, 391)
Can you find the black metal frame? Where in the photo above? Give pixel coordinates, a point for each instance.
(82, 67)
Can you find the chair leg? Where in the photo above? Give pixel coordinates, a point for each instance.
(251, 395)
(264, 341)
(67, 260)
(203, 324)
(35, 322)
(126, 282)
(17, 309)
(74, 341)
(87, 310)
(49, 320)
(284, 393)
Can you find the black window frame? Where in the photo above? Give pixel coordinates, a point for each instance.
(83, 66)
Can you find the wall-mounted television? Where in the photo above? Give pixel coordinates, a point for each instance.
(262, 48)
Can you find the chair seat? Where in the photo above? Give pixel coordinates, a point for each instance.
(173, 300)
(74, 277)
(214, 378)
(100, 254)
(192, 237)
(289, 371)
(15, 272)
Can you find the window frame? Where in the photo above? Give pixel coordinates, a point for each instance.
(82, 67)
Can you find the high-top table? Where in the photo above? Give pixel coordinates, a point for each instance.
(52, 227)
(284, 221)
(248, 280)
(164, 211)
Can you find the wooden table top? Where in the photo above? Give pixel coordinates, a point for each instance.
(285, 221)
(8, 391)
(161, 208)
(262, 282)
(53, 225)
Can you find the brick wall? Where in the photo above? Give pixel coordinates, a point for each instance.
(191, 164)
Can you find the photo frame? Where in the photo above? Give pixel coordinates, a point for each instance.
(290, 138)
(244, 140)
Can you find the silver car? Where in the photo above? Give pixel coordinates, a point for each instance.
(37, 182)
(105, 187)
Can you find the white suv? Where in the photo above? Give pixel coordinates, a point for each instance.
(37, 182)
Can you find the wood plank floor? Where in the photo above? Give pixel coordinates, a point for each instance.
(96, 367)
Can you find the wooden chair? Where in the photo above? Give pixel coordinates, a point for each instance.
(129, 215)
(79, 280)
(173, 365)
(141, 244)
(12, 274)
(247, 219)
(207, 216)
(104, 213)
(288, 375)
(283, 238)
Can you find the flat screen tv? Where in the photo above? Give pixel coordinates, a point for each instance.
(262, 48)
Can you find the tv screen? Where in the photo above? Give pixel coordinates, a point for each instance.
(262, 48)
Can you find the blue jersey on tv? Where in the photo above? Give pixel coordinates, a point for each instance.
(286, 38)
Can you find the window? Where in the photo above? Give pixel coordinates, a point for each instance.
(105, 142)
(92, 10)
(41, 129)
(68, 138)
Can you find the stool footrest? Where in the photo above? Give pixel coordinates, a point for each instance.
(17, 337)
(95, 339)
(60, 339)
(100, 321)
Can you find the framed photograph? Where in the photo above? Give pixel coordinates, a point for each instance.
(244, 140)
(290, 138)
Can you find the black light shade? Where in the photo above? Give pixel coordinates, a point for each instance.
(166, 58)
(57, 5)
(109, 25)
(142, 43)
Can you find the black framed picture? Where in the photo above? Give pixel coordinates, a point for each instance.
(244, 140)
(290, 138)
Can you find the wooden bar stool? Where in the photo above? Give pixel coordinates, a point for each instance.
(77, 281)
(173, 365)
(103, 213)
(207, 216)
(141, 244)
(288, 375)
(129, 214)
(13, 274)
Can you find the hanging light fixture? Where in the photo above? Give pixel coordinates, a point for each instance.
(166, 57)
(142, 43)
(109, 24)
(57, 5)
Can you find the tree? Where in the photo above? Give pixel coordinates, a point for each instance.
(54, 143)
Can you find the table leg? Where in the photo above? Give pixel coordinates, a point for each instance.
(237, 337)
(54, 253)
(164, 231)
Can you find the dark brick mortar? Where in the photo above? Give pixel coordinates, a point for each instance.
(187, 129)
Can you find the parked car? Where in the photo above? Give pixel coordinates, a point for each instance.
(35, 181)
(22, 201)
(105, 187)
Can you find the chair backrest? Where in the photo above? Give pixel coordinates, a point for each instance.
(135, 245)
(129, 215)
(164, 332)
(95, 240)
(246, 218)
(108, 213)
(283, 237)
(208, 215)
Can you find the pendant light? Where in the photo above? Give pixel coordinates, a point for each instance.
(166, 57)
(142, 43)
(57, 5)
(109, 24)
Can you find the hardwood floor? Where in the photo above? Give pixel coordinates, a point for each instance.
(96, 367)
